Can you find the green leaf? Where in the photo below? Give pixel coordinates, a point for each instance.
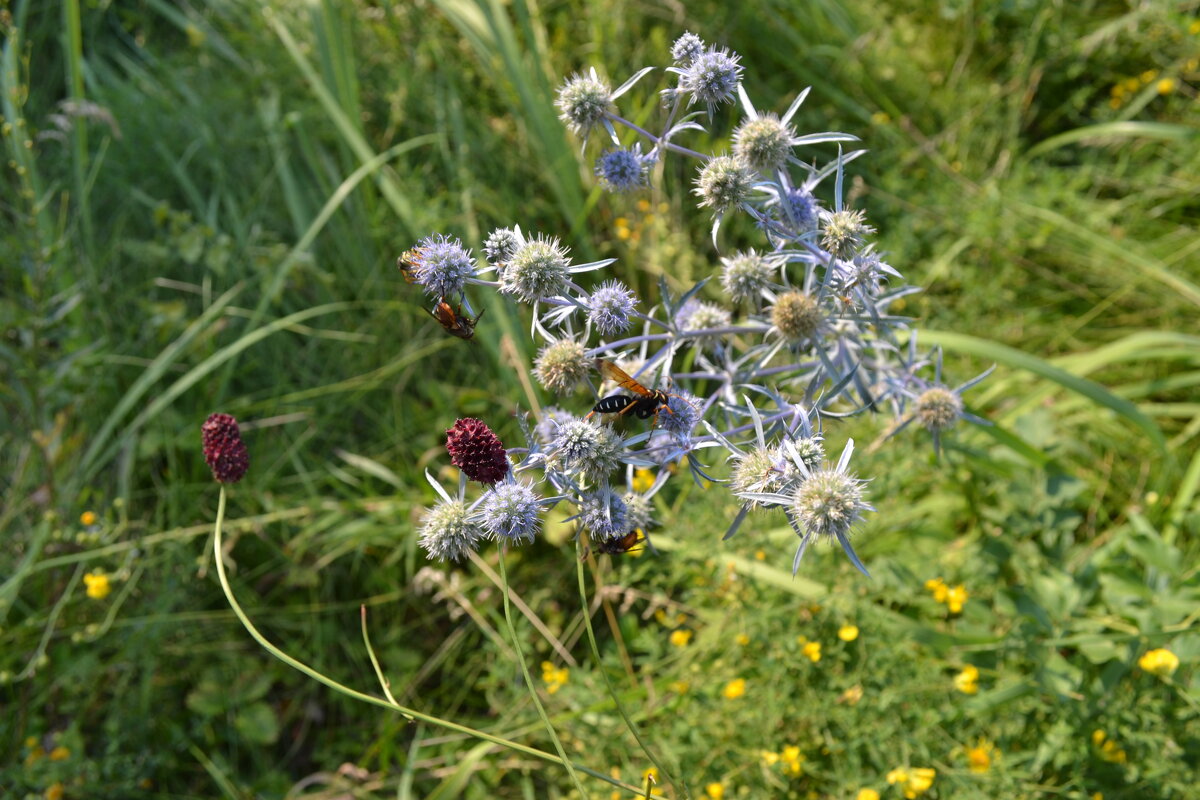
(257, 723)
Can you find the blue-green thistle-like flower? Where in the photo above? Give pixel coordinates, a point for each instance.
(604, 515)
(763, 143)
(443, 265)
(797, 316)
(938, 408)
(798, 210)
(561, 365)
(449, 533)
(537, 270)
(698, 315)
(827, 504)
(810, 450)
(687, 48)
(762, 470)
(935, 406)
(712, 77)
(623, 169)
(511, 511)
(639, 511)
(683, 416)
(584, 100)
(745, 274)
(553, 418)
(723, 183)
(610, 308)
(500, 245)
(843, 233)
(583, 447)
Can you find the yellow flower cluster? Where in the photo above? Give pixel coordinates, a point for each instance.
(714, 791)
(790, 759)
(681, 637)
(848, 633)
(954, 597)
(967, 681)
(87, 518)
(554, 677)
(867, 794)
(914, 782)
(981, 756)
(97, 585)
(643, 479)
(1159, 662)
(1108, 749)
(734, 689)
(811, 651)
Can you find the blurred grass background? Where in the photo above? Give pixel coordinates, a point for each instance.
(203, 204)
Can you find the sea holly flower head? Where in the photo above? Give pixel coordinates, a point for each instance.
(744, 275)
(687, 48)
(827, 504)
(501, 244)
(584, 101)
(723, 184)
(701, 315)
(638, 510)
(536, 270)
(763, 143)
(797, 316)
(681, 414)
(587, 449)
(562, 365)
(442, 266)
(553, 418)
(845, 232)
(712, 77)
(611, 307)
(511, 511)
(448, 533)
(623, 169)
(604, 515)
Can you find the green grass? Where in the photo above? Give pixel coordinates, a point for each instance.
(219, 233)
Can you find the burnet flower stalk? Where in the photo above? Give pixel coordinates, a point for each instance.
(793, 333)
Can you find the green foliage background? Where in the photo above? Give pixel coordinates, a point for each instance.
(202, 207)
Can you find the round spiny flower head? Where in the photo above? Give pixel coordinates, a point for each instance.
(763, 143)
(443, 266)
(745, 275)
(798, 210)
(698, 315)
(761, 469)
(224, 450)
(829, 502)
(638, 510)
(476, 451)
(811, 450)
(724, 183)
(584, 100)
(683, 416)
(844, 232)
(610, 308)
(500, 246)
(797, 316)
(712, 77)
(687, 48)
(553, 417)
(561, 365)
(588, 449)
(538, 269)
(511, 511)
(448, 533)
(623, 169)
(604, 515)
(938, 408)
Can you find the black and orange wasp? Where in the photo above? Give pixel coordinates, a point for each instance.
(618, 545)
(453, 320)
(643, 403)
(407, 263)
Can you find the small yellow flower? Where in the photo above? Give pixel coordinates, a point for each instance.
(1149, 75)
(742, 639)
(981, 756)
(55, 791)
(793, 760)
(643, 205)
(939, 589)
(643, 479)
(760, 555)
(714, 791)
(1098, 736)
(681, 637)
(554, 677)
(880, 118)
(812, 651)
(1194, 27)
(956, 598)
(769, 759)
(97, 585)
(87, 518)
(1166, 86)
(650, 774)
(867, 794)
(898, 775)
(1131, 84)
(734, 689)
(967, 681)
(1098, 796)
(1159, 662)
(851, 696)
(60, 753)
(679, 687)
(848, 633)
(919, 781)
(1111, 752)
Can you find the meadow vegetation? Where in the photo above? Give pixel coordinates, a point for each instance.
(202, 209)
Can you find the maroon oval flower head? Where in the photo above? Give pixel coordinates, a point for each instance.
(224, 450)
(476, 451)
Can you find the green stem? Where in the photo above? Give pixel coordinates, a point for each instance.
(378, 701)
(537, 701)
(591, 633)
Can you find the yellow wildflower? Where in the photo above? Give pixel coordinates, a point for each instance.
(769, 759)
(1166, 86)
(851, 696)
(1098, 736)
(919, 781)
(679, 687)
(734, 689)
(60, 753)
(1149, 75)
(742, 639)
(643, 205)
(1159, 662)
(898, 775)
(1110, 751)
(97, 585)
(650, 774)
(848, 633)
(681, 637)
(939, 588)
(967, 681)
(643, 479)
(792, 760)
(87, 518)
(867, 794)
(760, 555)
(1194, 27)
(54, 791)
(714, 791)
(956, 598)
(880, 118)
(555, 678)
(812, 651)
(981, 756)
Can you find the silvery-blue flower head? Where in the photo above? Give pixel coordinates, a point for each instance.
(763, 143)
(585, 448)
(610, 308)
(623, 169)
(687, 48)
(683, 416)
(798, 210)
(538, 269)
(604, 515)
(449, 533)
(443, 265)
(500, 246)
(639, 511)
(712, 77)
(745, 274)
(511, 511)
(553, 418)
(699, 315)
(723, 183)
(584, 100)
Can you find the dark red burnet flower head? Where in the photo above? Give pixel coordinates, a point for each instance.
(224, 450)
(476, 451)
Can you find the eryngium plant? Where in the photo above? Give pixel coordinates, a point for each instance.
(805, 327)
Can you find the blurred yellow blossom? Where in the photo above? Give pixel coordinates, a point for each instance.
(848, 633)
(956, 598)
(914, 782)
(939, 589)
(554, 677)
(792, 760)
(1149, 75)
(97, 585)
(760, 555)
(851, 696)
(650, 774)
(1098, 736)
(1166, 85)
(55, 791)
(679, 687)
(1159, 662)
(769, 758)
(981, 756)
(734, 689)
(742, 639)
(643, 479)
(60, 753)
(867, 794)
(643, 205)
(967, 681)
(714, 791)
(812, 651)
(87, 518)
(681, 637)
